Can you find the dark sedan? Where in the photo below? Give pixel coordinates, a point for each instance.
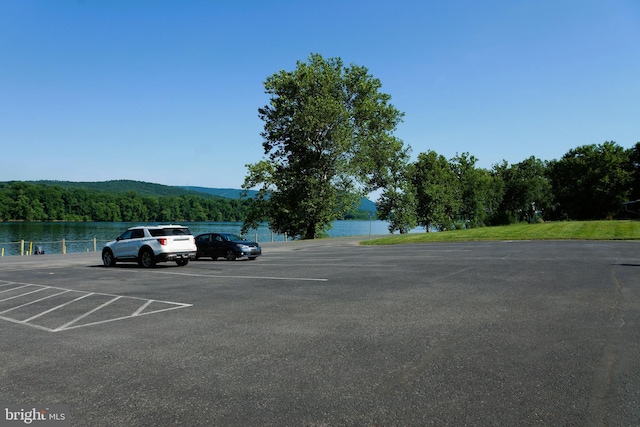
(227, 245)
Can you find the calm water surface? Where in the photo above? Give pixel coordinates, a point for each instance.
(79, 235)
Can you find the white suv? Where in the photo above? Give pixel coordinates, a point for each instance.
(148, 245)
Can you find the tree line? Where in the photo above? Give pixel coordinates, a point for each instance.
(589, 182)
(21, 201)
(328, 140)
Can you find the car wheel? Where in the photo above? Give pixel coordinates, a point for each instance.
(146, 258)
(231, 255)
(182, 262)
(197, 256)
(107, 258)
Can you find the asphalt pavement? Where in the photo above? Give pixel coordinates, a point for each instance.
(331, 333)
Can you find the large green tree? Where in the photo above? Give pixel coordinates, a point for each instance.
(328, 138)
(592, 181)
(479, 196)
(397, 203)
(527, 191)
(437, 192)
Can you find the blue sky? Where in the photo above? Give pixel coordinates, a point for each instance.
(168, 91)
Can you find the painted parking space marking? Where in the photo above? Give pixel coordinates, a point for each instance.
(57, 309)
(304, 279)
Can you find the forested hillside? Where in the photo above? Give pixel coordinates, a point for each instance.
(28, 201)
(230, 193)
(125, 185)
(120, 200)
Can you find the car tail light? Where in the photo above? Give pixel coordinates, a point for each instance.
(162, 241)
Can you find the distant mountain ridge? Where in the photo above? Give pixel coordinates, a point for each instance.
(229, 193)
(158, 190)
(232, 193)
(124, 185)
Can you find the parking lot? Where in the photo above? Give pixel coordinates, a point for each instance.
(331, 333)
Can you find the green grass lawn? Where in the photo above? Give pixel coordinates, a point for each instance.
(563, 230)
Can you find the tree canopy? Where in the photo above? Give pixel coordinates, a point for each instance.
(22, 201)
(588, 182)
(328, 138)
(526, 190)
(437, 195)
(592, 181)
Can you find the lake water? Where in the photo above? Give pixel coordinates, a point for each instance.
(79, 236)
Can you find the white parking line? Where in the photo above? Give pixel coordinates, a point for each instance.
(305, 279)
(72, 322)
(11, 289)
(142, 307)
(77, 319)
(57, 307)
(18, 296)
(31, 302)
(174, 306)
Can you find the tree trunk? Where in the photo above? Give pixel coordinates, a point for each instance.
(311, 231)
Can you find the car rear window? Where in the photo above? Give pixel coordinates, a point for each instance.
(174, 231)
